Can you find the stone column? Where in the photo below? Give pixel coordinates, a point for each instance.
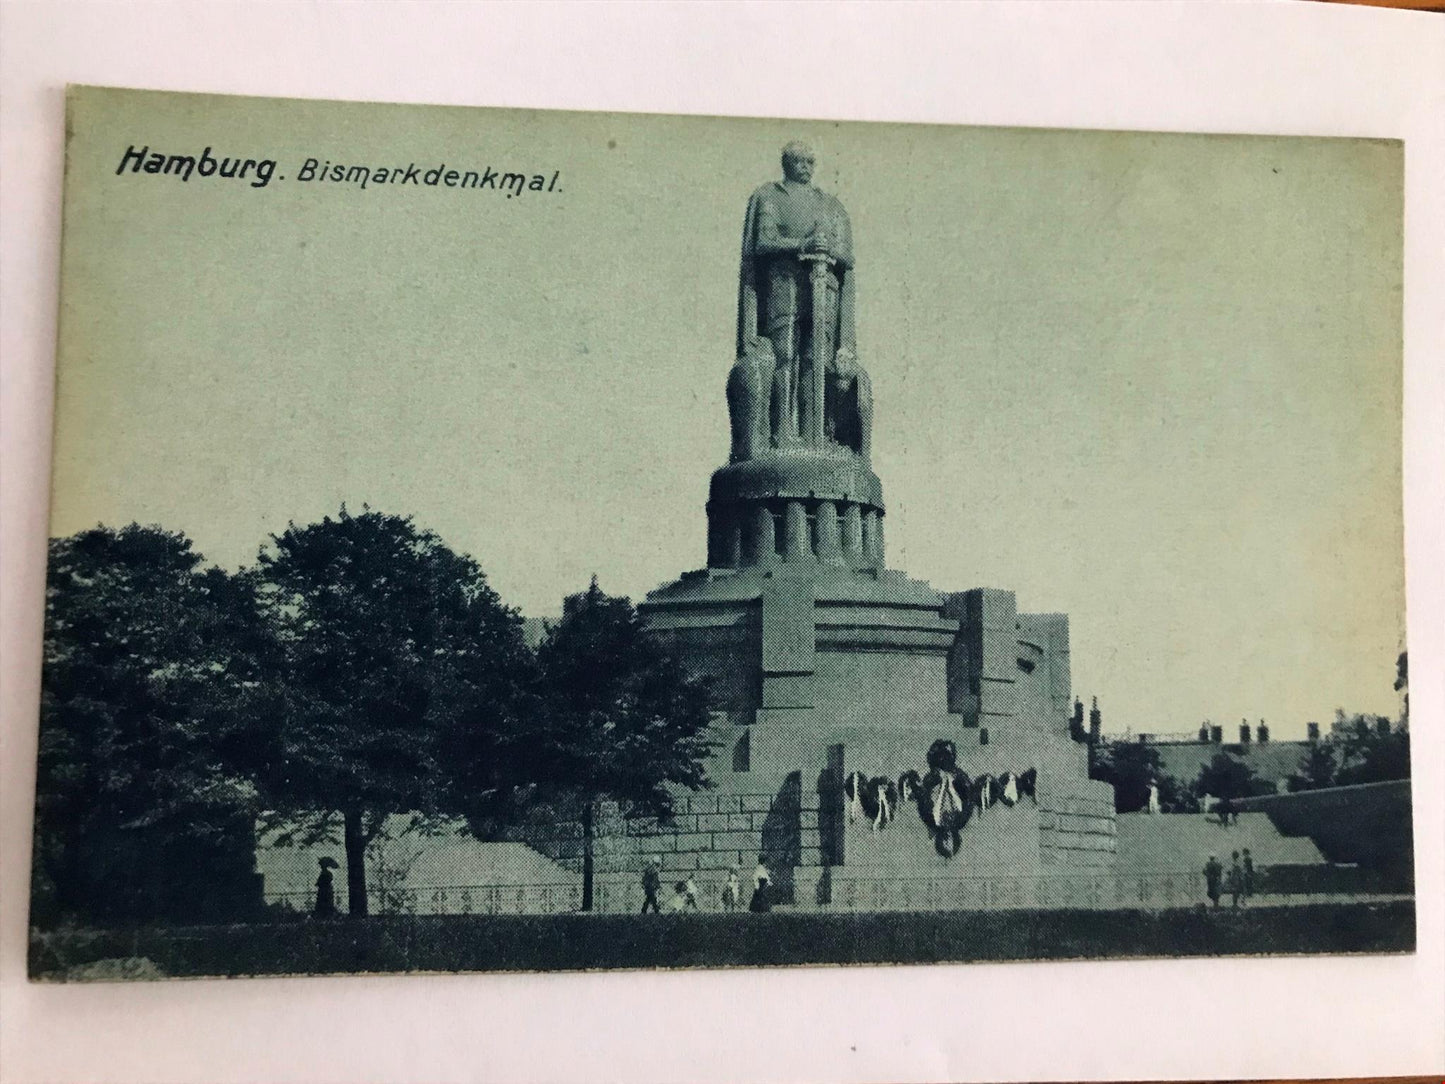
(828, 546)
(852, 535)
(764, 541)
(797, 546)
(870, 537)
(733, 542)
(722, 538)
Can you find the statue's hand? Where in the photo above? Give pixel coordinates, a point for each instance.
(817, 243)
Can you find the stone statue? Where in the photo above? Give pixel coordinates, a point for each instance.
(797, 378)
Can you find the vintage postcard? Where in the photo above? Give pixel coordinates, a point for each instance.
(519, 540)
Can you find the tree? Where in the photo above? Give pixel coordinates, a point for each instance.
(621, 720)
(1130, 766)
(1371, 750)
(1316, 768)
(153, 696)
(405, 677)
(1227, 777)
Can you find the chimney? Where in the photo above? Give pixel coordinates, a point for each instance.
(983, 735)
(1243, 732)
(1262, 733)
(1312, 731)
(1216, 734)
(1096, 720)
(1382, 726)
(1204, 734)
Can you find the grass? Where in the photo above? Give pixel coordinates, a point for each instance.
(587, 942)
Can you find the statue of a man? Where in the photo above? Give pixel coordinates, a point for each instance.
(790, 225)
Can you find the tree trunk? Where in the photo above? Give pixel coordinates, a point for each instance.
(588, 831)
(355, 864)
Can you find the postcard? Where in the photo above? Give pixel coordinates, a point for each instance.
(495, 540)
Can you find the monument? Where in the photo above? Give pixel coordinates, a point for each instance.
(880, 742)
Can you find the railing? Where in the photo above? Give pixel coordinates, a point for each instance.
(844, 894)
(1060, 891)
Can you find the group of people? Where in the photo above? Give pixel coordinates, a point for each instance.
(685, 895)
(1238, 882)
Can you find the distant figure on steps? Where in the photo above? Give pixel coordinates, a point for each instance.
(1213, 878)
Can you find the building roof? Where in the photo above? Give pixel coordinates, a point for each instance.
(1272, 760)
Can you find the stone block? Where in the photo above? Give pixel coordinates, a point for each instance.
(808, 818)
(703, 803)
(787, 626)
(694, 841)
(742, 821)
(757, 802)
(734, 841)
(712, 822)
(729, 803)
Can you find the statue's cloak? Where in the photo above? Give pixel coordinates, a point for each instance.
(748, 326)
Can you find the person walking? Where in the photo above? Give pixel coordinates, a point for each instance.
(678, 903)
(1213, 876)
(732, 891)
(689, 892)
(761, 874)
(1249, 883)
(325, 890)
(1235, 883)
(761, 903)
(651, 885)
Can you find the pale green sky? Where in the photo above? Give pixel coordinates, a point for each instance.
(1149, 380)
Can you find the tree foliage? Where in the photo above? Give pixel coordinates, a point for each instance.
(1229, 777)
(621, 718)
(153, 698)
(1317, 767)
(405, 675)
(1371, 749)
(1130, 766)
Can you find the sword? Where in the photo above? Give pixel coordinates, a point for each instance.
(818, 278)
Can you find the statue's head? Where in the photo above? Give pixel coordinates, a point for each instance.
(798, 162)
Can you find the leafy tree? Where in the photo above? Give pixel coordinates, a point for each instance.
(1130, 766)
(1371, 750)
(621, 721)
(1317, 767)
(405, 677)
(1228, 777)
(153, 696)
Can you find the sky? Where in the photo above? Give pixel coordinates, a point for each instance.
(1152, 381)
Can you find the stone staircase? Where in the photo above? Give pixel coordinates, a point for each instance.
(1184, 841)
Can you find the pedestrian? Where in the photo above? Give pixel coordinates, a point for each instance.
(1153, 796)
(689, 891)
(761, 903)
(1235, 883)
(325, 890)
(1213, 875)
(651, 885)
(678, 903)
(761, 874)
(732, 891)
(1248, 874)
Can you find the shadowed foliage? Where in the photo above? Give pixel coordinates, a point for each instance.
(154, 697)
(621, 719)
(405, 677)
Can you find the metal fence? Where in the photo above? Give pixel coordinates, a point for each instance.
(838, 893)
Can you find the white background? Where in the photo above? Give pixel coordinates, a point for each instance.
(1286, 68)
